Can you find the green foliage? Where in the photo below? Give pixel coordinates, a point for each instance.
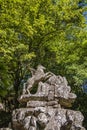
(14, 49)
(48, 32)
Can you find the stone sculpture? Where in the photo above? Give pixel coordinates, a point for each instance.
(46, 109)
(37, 76)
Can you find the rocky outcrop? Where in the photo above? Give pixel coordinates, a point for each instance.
(46, 109)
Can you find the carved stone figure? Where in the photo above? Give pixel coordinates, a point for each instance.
(46, 109)
(37, 76)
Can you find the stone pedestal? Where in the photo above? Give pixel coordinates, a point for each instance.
(45, 109)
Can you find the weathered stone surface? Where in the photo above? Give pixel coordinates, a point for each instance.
(54, 87)
(46, 117)
(32, 104)
(42, 120)
(45, 109)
